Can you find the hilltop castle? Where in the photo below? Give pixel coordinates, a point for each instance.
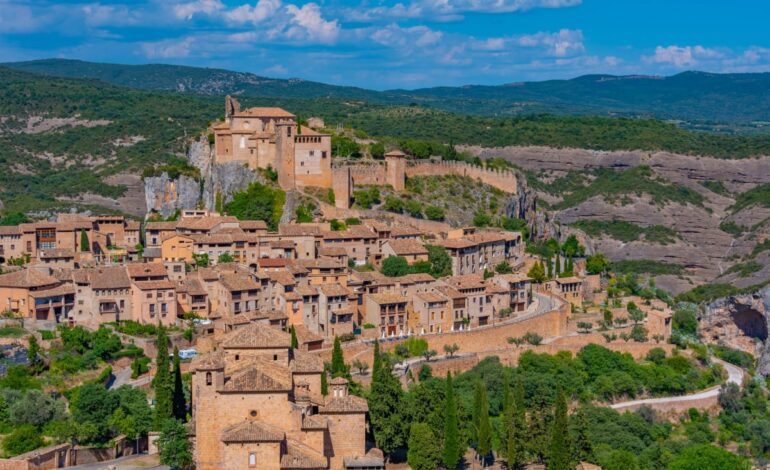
(272, 138)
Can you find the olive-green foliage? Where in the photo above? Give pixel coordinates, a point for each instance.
(258, 202)
(23, 439)
(645, 266)
(174, 168)
(617, 186)
(744, 269)
(756, 196)
(304, 213)
(627, 231)
(366, 198)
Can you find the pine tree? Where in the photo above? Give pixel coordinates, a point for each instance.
(484, 435)
(178, 398)
(339, 369)
(451, 454)
(84, 245)
(162, 381)
(559, 448)
(386, 409)
(294, 340)
(582, 448)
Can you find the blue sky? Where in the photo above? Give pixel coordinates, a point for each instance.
(399, 43)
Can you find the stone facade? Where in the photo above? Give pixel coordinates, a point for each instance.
(265, 138)
(257, 403)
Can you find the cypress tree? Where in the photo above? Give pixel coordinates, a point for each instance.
(570, 265)
(582, 448)
(324, 384)
(557, 267)
(507, 417)
(294, 340)
(386, 410)
(549, 263)
(338, 360)
(377, 358)
(451, 454)
(559, 448)
(162, 381)
(84, 245)
(484, 443)
(178, 399)
(516, 448)
(476, 412)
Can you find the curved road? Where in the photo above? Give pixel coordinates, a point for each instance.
(734, 375)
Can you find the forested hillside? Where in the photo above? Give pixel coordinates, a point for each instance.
(700, 99)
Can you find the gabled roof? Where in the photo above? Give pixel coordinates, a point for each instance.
(260, 376)
(257, 336)
(146, 269)
(406, 246)
(211, 361)
(264, 112)
(305, 362)
(346, 404)
(299, 456)
(252, 431)
(27, 278)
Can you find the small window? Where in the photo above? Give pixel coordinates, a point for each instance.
(275, 357)
(252, 459)
(253, 413)
(237, 357)
(208, 378)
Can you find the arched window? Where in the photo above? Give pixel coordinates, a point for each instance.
(252, 459)
(208, 378)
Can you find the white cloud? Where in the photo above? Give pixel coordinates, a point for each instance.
(449, 10)
(168, 49)
(307, 23)
(682, 57)
(207, 7)
(256, 14)
(562, 43)
(277, 69)
(395, 36)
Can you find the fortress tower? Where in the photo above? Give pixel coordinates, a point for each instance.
(395, 169)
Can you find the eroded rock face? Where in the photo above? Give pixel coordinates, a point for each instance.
(226, 179)
(165, 195)
(741, 322)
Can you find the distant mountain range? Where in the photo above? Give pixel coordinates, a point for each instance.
(738, 100)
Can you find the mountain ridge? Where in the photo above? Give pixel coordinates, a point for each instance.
(737, 99)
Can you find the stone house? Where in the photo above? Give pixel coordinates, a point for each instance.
(257, 403)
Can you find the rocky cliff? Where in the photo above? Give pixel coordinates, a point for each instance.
(164, 195)
(703, 246)
(741, 322)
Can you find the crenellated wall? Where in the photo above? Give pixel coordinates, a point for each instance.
(504, 180)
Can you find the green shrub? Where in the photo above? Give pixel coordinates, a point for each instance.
(23, 439)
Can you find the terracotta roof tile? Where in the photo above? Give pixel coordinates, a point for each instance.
(347, 404)
(27, 278)
(257, 336)
(298, 456)
(252, 431)
(305, 362)
(260, 376)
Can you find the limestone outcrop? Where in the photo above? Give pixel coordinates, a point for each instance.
(164, 195)
(741, 322)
